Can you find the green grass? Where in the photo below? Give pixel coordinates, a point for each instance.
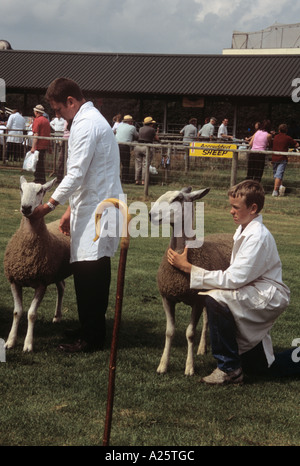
(53, 399)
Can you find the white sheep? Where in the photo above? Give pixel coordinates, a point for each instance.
(36, 256)
(173, 284)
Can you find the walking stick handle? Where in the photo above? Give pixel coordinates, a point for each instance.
(113, 202)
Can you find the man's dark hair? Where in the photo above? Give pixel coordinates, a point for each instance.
(62, 88)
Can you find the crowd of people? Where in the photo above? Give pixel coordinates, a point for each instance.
(125, 131)
(264, 138)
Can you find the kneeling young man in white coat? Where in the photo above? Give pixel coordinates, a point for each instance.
(243, 301)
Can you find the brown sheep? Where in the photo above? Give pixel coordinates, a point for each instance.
(36, 256)
(174, 285)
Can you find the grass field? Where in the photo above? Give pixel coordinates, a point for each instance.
(53, 399)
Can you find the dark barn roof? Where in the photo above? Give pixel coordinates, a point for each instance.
(160, 75)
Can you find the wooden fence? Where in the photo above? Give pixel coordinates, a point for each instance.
(169, 156)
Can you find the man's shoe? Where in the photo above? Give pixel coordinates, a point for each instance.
(218, 377)
(77, 347)
(80, 346)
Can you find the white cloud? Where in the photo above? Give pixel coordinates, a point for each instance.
(137, 26)
(221, 8)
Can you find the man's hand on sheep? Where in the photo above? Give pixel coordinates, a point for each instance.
(179, 260)
(40, 211)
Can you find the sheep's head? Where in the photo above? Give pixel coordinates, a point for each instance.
(169, 207)
(32, 195)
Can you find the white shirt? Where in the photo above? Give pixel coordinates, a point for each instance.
(57, 124)
(207, 130)
(115, 126)
(189, 133)
(15, 122)
(222, 130)
(2, 130)
(126, 133)
(251, 287)
(93, 167)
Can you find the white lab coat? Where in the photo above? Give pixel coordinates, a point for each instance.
(16, 125)
(251, 287)
(93, 168)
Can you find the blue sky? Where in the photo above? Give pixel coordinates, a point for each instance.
(138, 26)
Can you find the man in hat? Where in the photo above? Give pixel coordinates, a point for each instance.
(147, 134)
(40, 127)
(126, 132)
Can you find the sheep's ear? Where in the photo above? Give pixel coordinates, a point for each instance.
(187, 190)
(195, 195)
(22, 180)
(48, 185)
(179, 196)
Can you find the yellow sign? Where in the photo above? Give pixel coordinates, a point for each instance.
(207, 149)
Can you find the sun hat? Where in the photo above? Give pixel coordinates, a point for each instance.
(148, 120)
(39, 109)
(127, 118)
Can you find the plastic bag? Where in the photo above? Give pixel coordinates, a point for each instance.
(153, 170)
(30, 161)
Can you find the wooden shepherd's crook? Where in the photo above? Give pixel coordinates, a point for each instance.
(118, 307)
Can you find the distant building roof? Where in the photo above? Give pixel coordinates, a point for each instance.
(276, 36)
(147, 75)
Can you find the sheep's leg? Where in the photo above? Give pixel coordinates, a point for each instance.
(18, 311)
(202, 348)
(32, 312)
(190, 336)
(169, 308)
(60, 294)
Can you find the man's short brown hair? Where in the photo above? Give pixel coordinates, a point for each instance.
(251, 190)
(62, 88)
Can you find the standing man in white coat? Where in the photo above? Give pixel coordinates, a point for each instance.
(244, 301)
(92, 175)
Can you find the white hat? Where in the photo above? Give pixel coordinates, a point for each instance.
(39, 109)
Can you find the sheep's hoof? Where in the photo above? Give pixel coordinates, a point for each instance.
(189, 372)
(27, 348)
(56, 320)
(9, 344)
(161, 369)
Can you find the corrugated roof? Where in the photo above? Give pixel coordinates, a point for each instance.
(190, 75)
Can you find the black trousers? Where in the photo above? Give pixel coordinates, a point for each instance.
(92, 282)
(125, 161)
(14, 151)
(256, 165)
(40, 174)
